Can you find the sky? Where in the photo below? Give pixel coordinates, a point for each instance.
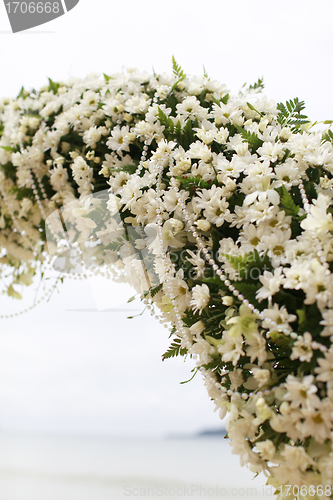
(65, 366)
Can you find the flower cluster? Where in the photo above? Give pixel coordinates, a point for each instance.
(218, 210)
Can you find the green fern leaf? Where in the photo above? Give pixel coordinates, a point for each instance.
(251, 138)
(154, 291)
(290, 114)
(165, 121)
(258, 85)
(177, 70)
(205, 73)
(328, 136)
(287, 203)
(53, 86)
(174, 350)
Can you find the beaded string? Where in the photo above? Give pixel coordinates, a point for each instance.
(201, 245)
(223, 277)
(182, 331)
(285, 331)
(307, 208)
(44, 297)
(55, 235)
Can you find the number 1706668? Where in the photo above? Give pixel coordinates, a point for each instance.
(33, 7)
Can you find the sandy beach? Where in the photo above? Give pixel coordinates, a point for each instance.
(51, 467)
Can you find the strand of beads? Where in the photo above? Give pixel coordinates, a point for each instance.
(268, 321)
(144, 154)
(49, 222)
(32, 172)
(181, 329)
(46, 296)
(18, 229)
(29, 240)
(318, 246)
(307, 208)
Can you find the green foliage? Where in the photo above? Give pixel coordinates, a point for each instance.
(116, 245)
(21, 192)
(309, 320)
(53, 86)
(291, 114)
(23, 94)
(192, 183)
(250, 266)
(258, 85)
(254, 109)
(130, 169)
(174, 350)
(10, 149)
(328, 136)
(287, 202)
(251, 138)
(154, 291)
(177, 70)
(205, 73)
(165, 120)
(194, 371)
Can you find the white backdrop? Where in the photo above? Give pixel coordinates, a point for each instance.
(79, 371)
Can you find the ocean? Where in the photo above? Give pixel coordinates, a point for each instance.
(55, 467)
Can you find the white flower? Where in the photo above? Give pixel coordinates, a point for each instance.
(257, 348)
(325, 369)
(262, 375)
(301, 392)
(296, 457)
(317, 422)
(197, 328)
(302, 349)
(200, 151)
(130, 193)
(271, 151)
(231, 348)
(266, 449)
(120, 139)
(200, 297)
(93, 135)
(59, 177)
(244, 324)
(276, 244)
(203, 225)
(190, 108)
(271, 284)
(279, 315)
(81, 169)
(204, 349)
(171, 234)
(198, 263)
(236, 378)
(319, 220)
(327, 321)
(178, 289)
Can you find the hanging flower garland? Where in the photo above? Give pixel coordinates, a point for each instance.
(218, 210)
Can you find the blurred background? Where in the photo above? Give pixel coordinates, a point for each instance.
(88, 410)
